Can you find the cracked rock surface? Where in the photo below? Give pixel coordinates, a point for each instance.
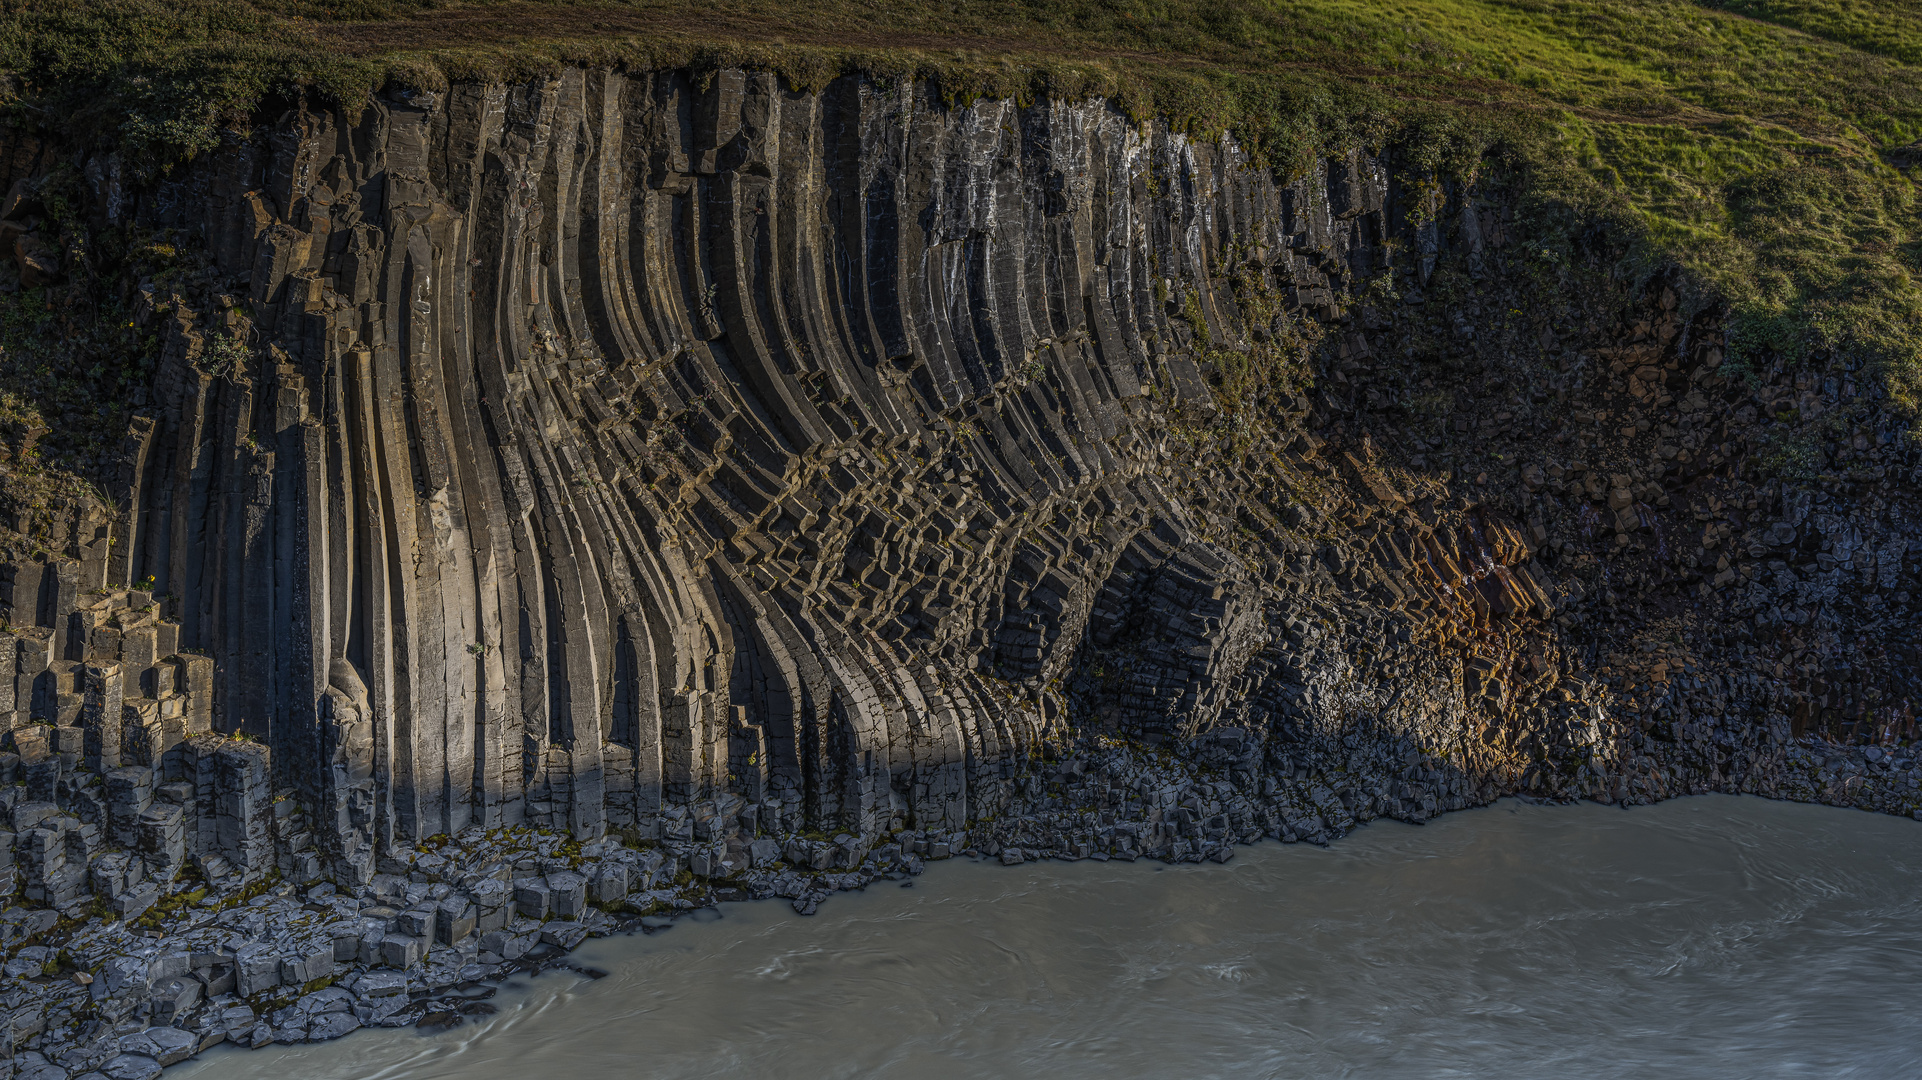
(563, 504)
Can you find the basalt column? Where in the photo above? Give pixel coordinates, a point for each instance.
(605, 445)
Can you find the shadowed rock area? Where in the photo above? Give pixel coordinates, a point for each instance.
(768, 490)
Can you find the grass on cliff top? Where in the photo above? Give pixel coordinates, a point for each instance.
(1760, 144)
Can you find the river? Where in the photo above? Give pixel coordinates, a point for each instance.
(1703, 937)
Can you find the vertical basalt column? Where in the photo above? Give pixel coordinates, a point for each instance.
(749, 757)
(129, 526)
(379, 651)
(66, 597)
(33, 684)
(138, 653)
(290, 709)
(26, 604)
(100, 717)
(224, 559)
(183, 573)
(9, 665)
(197, 682)
(307, 655)
(242, 799)
(678, 718)
(255, 701)
(94, 539)
(129, 793)
(648, 777)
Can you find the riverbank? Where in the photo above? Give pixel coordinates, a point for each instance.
(1703, 937)
(423, 943)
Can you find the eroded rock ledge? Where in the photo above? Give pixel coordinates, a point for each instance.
(673, 488)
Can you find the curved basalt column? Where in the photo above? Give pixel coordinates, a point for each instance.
(629, 440)
(640, 441)
(621, 443)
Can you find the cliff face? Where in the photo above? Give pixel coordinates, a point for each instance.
(635, 452)
(633, 441)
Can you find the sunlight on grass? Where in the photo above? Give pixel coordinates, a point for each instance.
(1749, 141)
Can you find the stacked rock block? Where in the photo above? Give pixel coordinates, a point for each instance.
(113, 778)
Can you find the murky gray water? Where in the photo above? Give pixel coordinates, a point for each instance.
(1711, 937)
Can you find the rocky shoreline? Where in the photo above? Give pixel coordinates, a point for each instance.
(428, 942)
(551, 506)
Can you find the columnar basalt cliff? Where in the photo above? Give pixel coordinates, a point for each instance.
(710, 466)
(610, 444)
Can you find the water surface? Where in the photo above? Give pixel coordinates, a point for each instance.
(1703, 937)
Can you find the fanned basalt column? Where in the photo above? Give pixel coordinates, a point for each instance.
(602, 447)
(618, 441)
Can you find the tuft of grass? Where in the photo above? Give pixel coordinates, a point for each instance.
(164, 910)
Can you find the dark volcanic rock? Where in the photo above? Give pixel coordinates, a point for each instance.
(773, 490)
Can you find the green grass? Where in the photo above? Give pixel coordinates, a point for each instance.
(1758, 144)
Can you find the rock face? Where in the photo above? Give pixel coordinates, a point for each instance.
(595, 453)
(616, 442)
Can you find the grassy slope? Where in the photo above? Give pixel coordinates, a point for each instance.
(1751, 140)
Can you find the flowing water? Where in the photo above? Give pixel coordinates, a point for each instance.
(1704, 937)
